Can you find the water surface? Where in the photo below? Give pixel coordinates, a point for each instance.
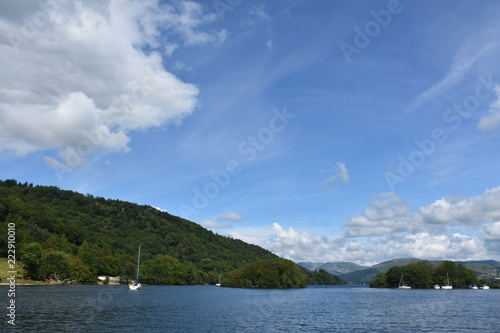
(99, 308)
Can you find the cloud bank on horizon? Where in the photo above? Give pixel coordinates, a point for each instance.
(173, 104)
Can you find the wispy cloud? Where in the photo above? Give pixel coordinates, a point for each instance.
(230, 216)
(214, 225)
(340, 174)
(464, 61)
(492, 120)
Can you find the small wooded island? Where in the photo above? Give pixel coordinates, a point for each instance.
(424, 275)
(277, 274)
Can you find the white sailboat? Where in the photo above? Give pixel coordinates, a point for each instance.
(401, 284)
(218, 284)
(136, 285)
(447, 285)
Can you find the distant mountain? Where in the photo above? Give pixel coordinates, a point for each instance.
(486, 269)
(396, 262)
(337, 268)
(354, 273)
(313, 266)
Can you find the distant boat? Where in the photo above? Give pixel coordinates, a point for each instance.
(401, 283)
(436, 286)
(136, 285)
(447, 285)
(473, 286)
(218, 284)
(484, 287)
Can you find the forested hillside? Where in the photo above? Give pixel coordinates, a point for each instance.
(81, 236)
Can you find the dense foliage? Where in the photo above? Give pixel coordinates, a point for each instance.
(322, 277)
(423, 274)
(80, 236)
(269, 273)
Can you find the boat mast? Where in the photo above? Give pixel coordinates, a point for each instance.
(138, 261)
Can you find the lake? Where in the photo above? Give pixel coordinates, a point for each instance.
(99, 308)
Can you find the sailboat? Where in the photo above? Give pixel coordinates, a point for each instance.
(218, 284)
(447, 285)
(136, 285)
(401, 284)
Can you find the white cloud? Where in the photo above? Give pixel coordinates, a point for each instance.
(492, 120)
(449, 228)
(214, 225)
(391, 214)
(79, 82)
(491, 231)
(300, 245)
(341, 174)
(479, 209)
(230, 216)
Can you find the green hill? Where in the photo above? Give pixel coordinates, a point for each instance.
(66, 235)
(79, 237)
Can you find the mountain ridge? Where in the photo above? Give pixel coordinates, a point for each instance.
(487, 268)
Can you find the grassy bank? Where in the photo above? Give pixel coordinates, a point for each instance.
(4, 268)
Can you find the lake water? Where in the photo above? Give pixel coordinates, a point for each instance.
(99, 308)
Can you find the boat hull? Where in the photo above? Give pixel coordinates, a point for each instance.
(135, 287)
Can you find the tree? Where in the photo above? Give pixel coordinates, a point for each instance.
(380, 281)
(31, 258)
(268, 274)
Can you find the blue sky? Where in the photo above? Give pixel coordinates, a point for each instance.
(321, 130)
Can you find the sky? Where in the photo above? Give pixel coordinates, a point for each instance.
(321, 130)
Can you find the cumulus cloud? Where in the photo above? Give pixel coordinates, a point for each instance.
(492, 120)
(214, 225)
(300, 245)
(449, 228)
(75, 78)
(230, 216)
(341, 174)
(473, 210)
(390, 214)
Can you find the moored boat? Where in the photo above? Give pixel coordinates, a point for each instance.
(136, 285)
(447, 286)
(401, 283)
